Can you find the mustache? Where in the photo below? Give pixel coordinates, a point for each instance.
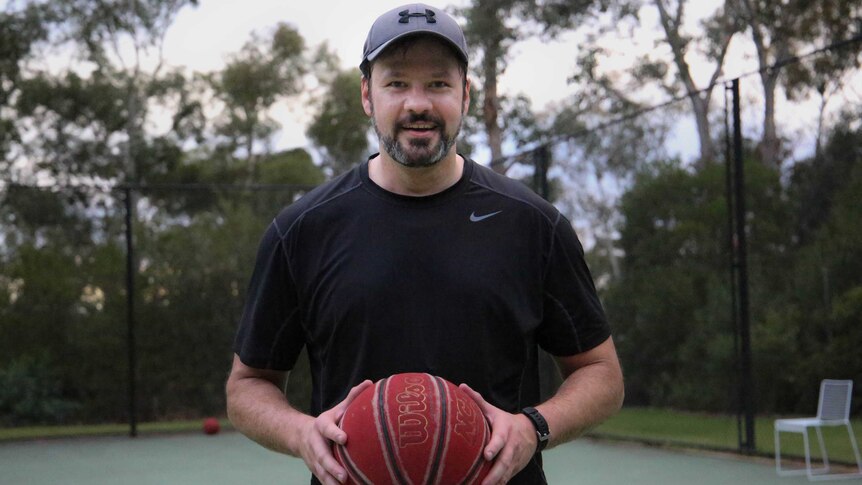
(420, 117)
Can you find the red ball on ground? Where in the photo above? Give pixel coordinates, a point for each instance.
(414, 428)
(211, 426)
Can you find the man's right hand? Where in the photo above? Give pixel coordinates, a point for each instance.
(319, 433)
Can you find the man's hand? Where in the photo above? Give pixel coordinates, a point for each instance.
(512, 444)
(319, 433)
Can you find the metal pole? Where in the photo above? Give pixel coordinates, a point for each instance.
(549, 374)
(130, 313)
(731, 233)
(742, 261)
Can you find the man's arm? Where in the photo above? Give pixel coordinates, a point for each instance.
(257, 406)
(592, 391)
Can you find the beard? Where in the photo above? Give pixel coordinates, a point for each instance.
(421, 152)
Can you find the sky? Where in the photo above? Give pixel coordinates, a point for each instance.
(201, 38)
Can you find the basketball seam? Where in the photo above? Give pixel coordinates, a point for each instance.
(443, 428)
(477, 464)
(383, 424)
(352, 469)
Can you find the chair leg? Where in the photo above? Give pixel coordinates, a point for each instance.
(855, 447)
(823, 473)
(777, 452)
(823, 451)
(807, 455)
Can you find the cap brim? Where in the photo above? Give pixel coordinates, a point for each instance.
(382, 47)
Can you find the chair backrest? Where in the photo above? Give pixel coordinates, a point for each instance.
(835, 400)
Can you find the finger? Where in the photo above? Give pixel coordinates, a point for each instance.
(334, 470)
(326, 478)
(355, 391)
(495, 445)
(326, 464)
(483, 404)
(329, 429)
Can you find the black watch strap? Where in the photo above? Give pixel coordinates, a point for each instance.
(542, 431)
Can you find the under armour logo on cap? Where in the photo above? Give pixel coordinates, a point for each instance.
(405, 16)
(398, 23)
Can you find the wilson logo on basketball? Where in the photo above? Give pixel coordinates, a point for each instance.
(465, 419)
(412, 423)
(414, 429)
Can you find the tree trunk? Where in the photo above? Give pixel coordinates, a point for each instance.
(491, 105)
(769, 144)
(699, 102)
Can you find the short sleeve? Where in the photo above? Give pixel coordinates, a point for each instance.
(573, 318)
(270, 333)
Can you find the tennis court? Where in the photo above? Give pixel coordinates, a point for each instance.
(230, 458)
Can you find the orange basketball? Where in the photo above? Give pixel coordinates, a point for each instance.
(414, 429)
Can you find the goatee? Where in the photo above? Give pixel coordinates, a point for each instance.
(418, 153)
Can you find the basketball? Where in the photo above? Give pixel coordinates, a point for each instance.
(211, 426)
(414, 428)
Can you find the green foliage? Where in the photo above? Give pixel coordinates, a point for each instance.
(787, 26)
(20, 32)
(341, 128)
(492, 28)
(671, 305)
(292, 167)
(264, 71)
(30, 393)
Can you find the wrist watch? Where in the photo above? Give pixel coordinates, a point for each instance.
(542, 431)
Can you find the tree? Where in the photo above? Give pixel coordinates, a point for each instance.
(264, 71)
(105, 27)
(493, 27)
(20, 31)
(811, 329)
(718, 32)
(670, 70)
(340, 128)
(671, 303)
(781, 31)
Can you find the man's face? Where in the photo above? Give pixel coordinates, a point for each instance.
(416, 100)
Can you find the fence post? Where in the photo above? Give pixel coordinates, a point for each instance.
(739, 250)
(130, 312)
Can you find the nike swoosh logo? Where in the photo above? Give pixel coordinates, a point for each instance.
(475, 218)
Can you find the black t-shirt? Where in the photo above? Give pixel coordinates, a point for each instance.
(463, 284)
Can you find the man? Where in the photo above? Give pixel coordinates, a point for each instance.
(420, 260)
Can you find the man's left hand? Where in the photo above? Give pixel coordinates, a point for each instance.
(512, 444)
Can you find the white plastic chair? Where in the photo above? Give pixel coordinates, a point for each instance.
(833, 409)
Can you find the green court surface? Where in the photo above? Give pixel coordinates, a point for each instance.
(230, 458)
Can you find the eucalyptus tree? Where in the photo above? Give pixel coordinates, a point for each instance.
(21, 31)
(340, 128)
(493, 28)
(780, 32)
(687, 49)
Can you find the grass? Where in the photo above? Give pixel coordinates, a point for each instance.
(675, 428)
(47, 432)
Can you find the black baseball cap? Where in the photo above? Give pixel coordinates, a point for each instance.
(416, 18)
